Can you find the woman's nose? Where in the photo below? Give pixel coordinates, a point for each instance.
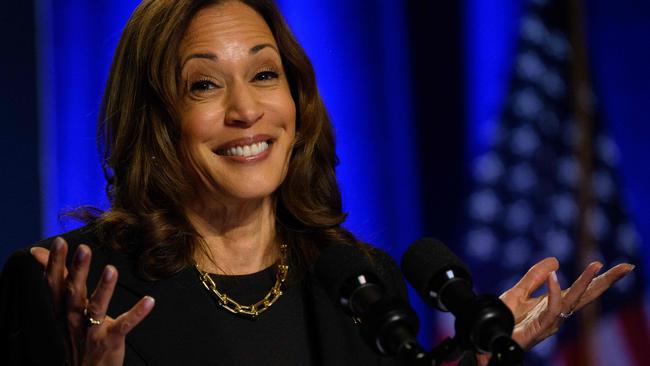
(243, 107)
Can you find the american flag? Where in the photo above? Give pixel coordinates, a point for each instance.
(548, 187)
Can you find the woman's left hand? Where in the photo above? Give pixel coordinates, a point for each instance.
(537, 318)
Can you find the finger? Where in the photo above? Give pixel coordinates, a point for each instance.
(578, 288)
(537, 275)
(98, 303)
(601, 283)
(76, 292)
(127, 321)
(41, 255)
(55, 270)
(554, 306)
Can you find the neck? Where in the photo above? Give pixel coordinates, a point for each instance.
(239, 238)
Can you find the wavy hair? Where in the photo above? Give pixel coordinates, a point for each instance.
(140, 136)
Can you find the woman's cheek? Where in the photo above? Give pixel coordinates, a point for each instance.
(201, 122)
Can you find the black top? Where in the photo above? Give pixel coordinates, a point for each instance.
(186, 326)
(282, 328)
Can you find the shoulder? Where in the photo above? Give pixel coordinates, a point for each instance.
(83, 235)
(21, 270)
(22, 257)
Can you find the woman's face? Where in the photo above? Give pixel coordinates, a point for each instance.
(237, 114)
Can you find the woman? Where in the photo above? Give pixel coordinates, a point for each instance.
(220, 164)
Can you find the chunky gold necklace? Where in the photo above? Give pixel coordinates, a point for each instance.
(257, 308)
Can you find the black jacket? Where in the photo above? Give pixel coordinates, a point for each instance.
(31, 335)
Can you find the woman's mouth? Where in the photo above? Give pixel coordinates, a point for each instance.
(245, 150)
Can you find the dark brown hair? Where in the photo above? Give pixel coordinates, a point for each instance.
(140, 136)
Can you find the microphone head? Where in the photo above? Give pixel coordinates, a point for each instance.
(426, 258)
(387, 323)
(337, 264)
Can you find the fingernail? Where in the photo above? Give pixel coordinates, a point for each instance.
(108, 274)
(554, 276)
(599, 267)
(148, 302)
(81, 255)
(632, 266)
(58, 243)
(31, 250)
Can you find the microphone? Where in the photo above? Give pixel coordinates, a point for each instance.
(388, 324)
(483, 323)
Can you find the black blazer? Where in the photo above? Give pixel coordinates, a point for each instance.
(31, 335)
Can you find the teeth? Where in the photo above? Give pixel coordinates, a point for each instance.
(247, 150)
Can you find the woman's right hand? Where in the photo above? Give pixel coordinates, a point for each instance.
(87, 343)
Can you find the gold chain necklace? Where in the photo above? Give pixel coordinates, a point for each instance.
(257, 308)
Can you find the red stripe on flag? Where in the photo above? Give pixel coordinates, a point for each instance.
(571, 354)
(633, 322)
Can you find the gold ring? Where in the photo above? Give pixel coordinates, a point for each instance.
(90, 321)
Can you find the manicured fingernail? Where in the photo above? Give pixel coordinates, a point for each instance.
(108, 274)
(81, 255)
(631, 267)
(554, 276)
(148, 302)
(31, 250)
(599, 267)
(58, 243)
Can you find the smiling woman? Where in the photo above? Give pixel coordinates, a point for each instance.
(236, 101)
(220, 162)
(219, 81)
(219, 158)
(238, 122)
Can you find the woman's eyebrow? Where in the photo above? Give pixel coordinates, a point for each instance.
(259, 47)
(211, 56)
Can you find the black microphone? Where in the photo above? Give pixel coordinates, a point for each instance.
(388, 324)
(483, 323)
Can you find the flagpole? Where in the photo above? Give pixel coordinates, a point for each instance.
(583, 111)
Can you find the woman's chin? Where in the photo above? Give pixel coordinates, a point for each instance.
(245, 194)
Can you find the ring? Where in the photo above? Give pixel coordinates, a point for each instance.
(565, 316)
(90, 321)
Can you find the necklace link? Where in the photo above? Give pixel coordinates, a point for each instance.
(257, 308)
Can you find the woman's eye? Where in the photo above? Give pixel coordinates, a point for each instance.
(266, 75)
(203, 85)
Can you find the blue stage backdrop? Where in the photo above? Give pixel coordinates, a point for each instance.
(360, 51)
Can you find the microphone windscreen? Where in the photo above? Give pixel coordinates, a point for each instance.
(339, 262)
(424, 259)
